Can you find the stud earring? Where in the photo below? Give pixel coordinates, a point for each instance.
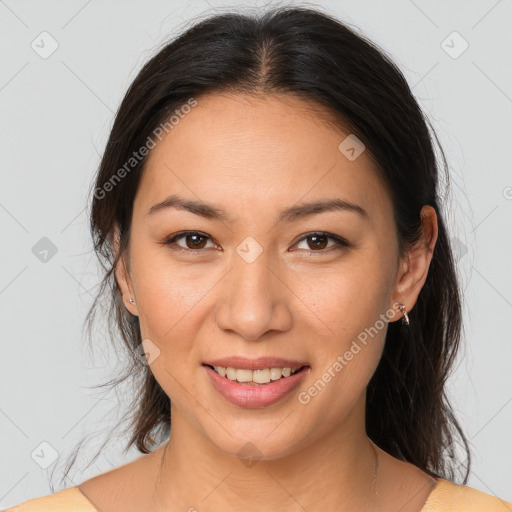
(405, 318)
(132, 301)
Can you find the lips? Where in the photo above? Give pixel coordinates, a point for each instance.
(255, 396)
(260, 363)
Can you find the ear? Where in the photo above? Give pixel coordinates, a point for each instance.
(122, 275)
(415, 263)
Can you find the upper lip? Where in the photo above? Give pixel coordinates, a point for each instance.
(255, 364)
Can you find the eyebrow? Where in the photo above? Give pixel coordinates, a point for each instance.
(288, 215)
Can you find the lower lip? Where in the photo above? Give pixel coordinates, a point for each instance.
(253, 396)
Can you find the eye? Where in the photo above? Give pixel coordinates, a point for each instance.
(194, 240)
(319, 241)
(197, 241)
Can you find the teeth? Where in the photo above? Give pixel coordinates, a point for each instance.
(263, 376)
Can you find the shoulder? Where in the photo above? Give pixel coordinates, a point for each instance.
(448, 496)
(67, 500)
(129, 486)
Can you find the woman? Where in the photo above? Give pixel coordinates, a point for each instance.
(268, 213)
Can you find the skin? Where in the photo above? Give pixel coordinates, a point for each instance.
(295, 301)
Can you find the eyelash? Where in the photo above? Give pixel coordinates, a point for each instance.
(341, 242)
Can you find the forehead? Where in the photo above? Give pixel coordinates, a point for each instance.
(238, 150)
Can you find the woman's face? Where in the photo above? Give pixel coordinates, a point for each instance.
(261, 284)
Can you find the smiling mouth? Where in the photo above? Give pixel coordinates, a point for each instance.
(256, 377)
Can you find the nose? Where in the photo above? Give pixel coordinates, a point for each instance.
(253, 300)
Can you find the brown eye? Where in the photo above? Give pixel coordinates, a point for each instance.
(318, 242)
(196, 241)
(193, 240)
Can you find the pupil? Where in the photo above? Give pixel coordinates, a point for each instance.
(317, 244)
(196, 245)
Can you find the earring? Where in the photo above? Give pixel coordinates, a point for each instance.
(405, 319)
(132, 301)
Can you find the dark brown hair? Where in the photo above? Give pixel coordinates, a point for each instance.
(309, 54)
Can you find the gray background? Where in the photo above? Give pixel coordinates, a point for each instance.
(56, 114)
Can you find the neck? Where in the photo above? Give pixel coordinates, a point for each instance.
(334, 472)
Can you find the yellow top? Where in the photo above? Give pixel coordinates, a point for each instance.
(445, 497)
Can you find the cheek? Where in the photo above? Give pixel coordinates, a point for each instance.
(351, 311)
(175, 303)
(343, 372)
(342, 300)
(168, 294)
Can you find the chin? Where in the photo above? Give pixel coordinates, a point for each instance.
(249, 445)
